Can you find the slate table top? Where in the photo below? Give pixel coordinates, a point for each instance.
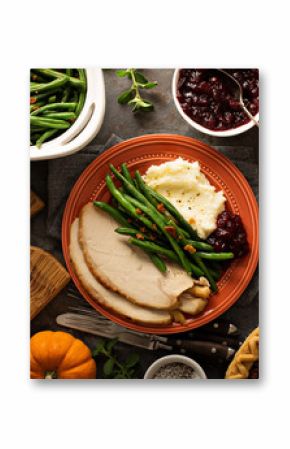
(119, 120)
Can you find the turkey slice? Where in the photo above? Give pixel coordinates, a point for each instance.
(127, 269)
(107, 298)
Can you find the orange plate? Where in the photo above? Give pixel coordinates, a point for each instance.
(141, 152)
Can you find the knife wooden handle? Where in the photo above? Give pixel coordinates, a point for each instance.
(232, 342)
(204, 348)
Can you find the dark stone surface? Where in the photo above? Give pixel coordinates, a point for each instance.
(120, 120)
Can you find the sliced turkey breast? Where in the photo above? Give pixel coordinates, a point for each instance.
(127, 269)
(107, 298)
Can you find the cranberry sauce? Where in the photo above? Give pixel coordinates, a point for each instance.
(207, 97)
(230, 235)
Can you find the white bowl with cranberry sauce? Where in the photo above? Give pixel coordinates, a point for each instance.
(199, 98)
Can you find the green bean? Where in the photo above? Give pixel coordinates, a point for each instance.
(174, 212)
(54, 107)
(49, 123)
(46, 135)
(75, 96)
(133, 232)
(199, 245)
(75, 82)
(126, 173)
(45, 95)
(82, 95)
(66, 94)
(195, 257)
(142, 187)
(171, 255)
(60, 115)
(112, 211)
(154, 215)
(216, 267)
(35, 106)
(216, 256)
(36, 78)
(138, 195)
(153, 247)
(214, 274)
(130, 187)
(52, 99)
(126, 204)
(35, 129)
(158, 262)
(181, 233)
(67, 89)
(49, 86)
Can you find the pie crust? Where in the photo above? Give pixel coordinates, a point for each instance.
(244, 359)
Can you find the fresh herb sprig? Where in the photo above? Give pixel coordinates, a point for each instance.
(113, 368)
(133, 96)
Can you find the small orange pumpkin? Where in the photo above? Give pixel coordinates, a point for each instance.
(59, 355)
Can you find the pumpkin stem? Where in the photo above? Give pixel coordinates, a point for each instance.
(50, 375)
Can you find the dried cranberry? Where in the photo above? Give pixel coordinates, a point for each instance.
(229, 235)
(234, 104)
(223, 234)
(228, 117)
(203, 100)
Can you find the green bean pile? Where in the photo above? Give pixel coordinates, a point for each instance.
(56, 100)
(156, 226)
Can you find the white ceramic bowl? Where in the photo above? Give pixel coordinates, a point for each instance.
(227, 133)
(85, 127)
(174, 358)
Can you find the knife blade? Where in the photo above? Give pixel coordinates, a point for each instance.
(86, 323)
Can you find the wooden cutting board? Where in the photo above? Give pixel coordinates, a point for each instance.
(47, 278)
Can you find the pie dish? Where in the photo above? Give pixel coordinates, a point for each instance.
(244, 364)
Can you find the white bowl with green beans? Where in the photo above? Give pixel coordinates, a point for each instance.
(67, 108)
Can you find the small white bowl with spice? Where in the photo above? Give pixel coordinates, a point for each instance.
(175, 366)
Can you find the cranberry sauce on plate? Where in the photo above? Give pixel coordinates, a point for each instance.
(230, 235)
(207, 97)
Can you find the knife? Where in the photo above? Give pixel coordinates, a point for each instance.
(233, 342)
(217, 327)
(88, 323)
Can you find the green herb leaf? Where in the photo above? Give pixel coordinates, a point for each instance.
(134, 100)
(122, 73)
(145, 104)
(140, 78)
(119, 376)
(132, 96)
(108, 367)
(126, 96)
(111, 344)
(132, 360)
(99, 348)
(149, 85)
